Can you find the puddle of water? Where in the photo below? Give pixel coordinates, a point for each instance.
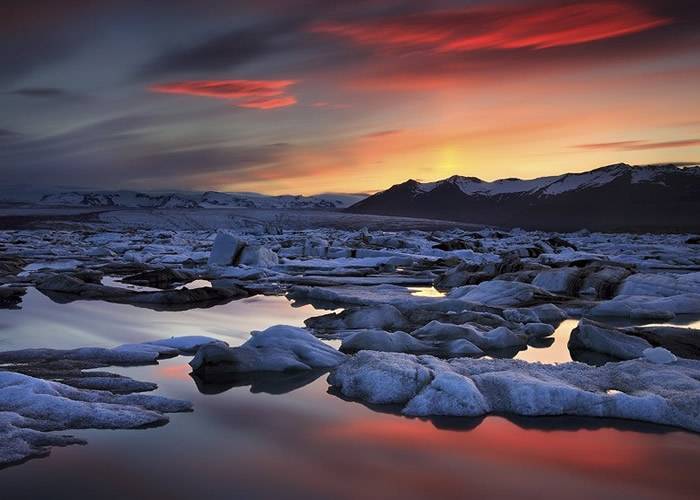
(426, 291)
(117, 282)
(557, 352)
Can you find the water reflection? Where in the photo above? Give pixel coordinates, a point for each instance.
(259, 382)
(309, 444)
(44, 323)
(426, 291)
(552, 349)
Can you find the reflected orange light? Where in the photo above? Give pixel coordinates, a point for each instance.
(180, 371)
(501, 440)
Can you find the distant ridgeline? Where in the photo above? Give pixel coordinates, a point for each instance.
(621, 197)
(209, 199)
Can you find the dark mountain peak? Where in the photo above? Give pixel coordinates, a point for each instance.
(616, 197)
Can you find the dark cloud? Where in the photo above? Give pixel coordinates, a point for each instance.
(39, 33)
(42, 92)
(118, 152)
(223, 52)
(6, 134)
(275, 29)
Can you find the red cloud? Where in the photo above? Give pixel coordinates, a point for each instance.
(478, 28)
(256, 94)
(268, 102)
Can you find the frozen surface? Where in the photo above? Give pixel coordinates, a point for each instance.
(30, 408)
(424, 386)
(279, 348)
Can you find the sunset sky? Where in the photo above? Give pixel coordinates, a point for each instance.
(310, 96)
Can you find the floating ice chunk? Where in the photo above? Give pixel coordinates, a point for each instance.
(644, 307)
(595, 337)
(126, 355)
(187, 344)
(226, 248)
(73, 287)
(381, 378)
(659, 355)
(562, 280)
(502, 338)
(448, 394)
(439, 331)
(380, 340)
(100, 252)
(504, 293)
(382, 316)
(661, 285)
(257, 255)
(538, 330)
(460, 347)
(423, 385)
(360, 295)
(683, 342)
(30, 407)
(494, 339)
(18, 442)
(543, 313)
(279, 348)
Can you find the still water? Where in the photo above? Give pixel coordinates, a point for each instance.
(283, 439)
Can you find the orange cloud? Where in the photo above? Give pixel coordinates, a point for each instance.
(479, 28)
(640, 145)
(268, 102)
(256, 94)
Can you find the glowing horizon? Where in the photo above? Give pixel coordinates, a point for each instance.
(269, 97)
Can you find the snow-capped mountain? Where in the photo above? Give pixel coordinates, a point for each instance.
(615, 197)
(209, 199)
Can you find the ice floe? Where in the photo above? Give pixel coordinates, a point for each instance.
(426, 386)
(278, 348)
(30, 408)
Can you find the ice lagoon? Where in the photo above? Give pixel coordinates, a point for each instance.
(292, 435)
(307, 443)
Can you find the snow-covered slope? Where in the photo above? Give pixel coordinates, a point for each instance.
(558, 184)
(615, 197)
(209, 199)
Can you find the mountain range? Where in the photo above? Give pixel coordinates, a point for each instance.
(618, 197)
(209, 199)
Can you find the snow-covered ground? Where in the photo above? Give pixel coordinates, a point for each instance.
(425, 314)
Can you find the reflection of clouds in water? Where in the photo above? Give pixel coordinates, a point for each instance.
(43, 323)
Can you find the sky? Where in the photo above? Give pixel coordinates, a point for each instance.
(311, 96)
